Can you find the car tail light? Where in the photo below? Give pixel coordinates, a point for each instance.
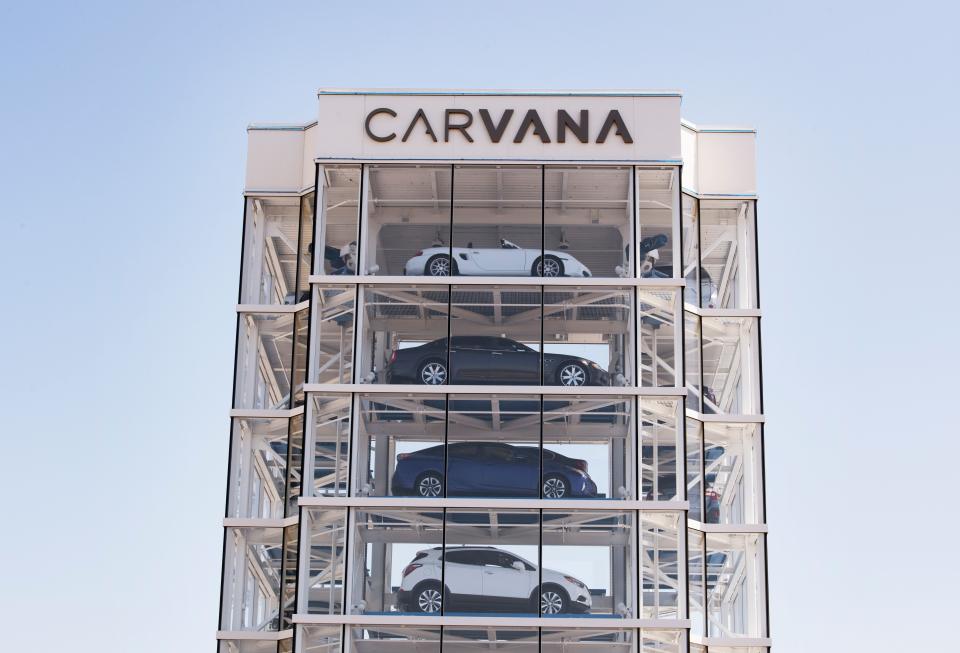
(409, 569)
(393, 356)
(403, 456)
(580, 464)
(419, 253)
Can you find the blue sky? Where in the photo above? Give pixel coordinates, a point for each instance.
(121, 166)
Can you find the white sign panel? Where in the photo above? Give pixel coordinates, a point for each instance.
(536, 127)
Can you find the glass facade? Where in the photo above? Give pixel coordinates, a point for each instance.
(559, 449)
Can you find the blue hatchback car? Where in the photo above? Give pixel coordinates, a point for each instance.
(491, 469)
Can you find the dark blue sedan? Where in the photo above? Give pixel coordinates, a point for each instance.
(491, 469)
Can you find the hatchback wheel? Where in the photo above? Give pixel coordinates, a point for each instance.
(572, 374)
(554, 487)
(430, 485)
(429, 599)
(433, 373)
(552, 601)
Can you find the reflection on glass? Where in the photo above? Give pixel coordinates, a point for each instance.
(588, 221)
(692, 364)
(258, 468)
(734, 585)
(464, 639)
(395, 561)
(593, 549)
(493, 446)
(495, 335)
(404, 337)
(305, 247)
(579, 640)
(497, 227)
(489, 563)
(408, 220)
(322, 593)
(660, 560)
(294, 464)
(264, 359)
(727, 245)
(339, 219)
(251, 580)
(389, 637)
(319, 639)
(328, 418)
(723, 469)
(730, 365)
(657, 190)
(588, 448)
(332, 346)
(659, 440)
(657, 343)
(271, 240)
(587, 334)
(400, 448)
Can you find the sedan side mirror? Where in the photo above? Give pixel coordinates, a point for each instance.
(518, 566)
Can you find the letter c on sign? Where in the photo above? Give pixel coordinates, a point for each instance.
(366, 125)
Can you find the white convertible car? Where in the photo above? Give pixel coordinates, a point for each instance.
(507, 260)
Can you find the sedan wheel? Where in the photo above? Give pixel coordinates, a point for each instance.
(439, 266)
(428, 600)
(551, 602)
(433, 374)
(430, 486)
(554, 487)
(572, 374)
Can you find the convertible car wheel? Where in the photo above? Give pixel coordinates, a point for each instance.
(549, 267)
(433, 373)
(572, 374)
(438, 266)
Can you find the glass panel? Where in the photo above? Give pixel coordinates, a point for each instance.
(304, 264)
(660, 556)
(695, 473)
(732, 461)
(394, 638)
(264, 359)
(497, 227)
(333, 324)
(301, 331)
(658, 346)
(495, 335)
(588, 448)
(289, 576)
(729, 268)
(319, 639)
(489, 562)
(404, 337)
(339, 219)
(294, 464)
(400, 448)
(270, 246)
(691, 360)
(588, 219)
(692, 272)
(735, 593)
(659, 437)
(731, 365)
(258, 468)
(509, 639)
(588, 563)
(588, 336)
(329, 440)
(396, 564)
(608, 640)
(251, 579)
(407, 229)
(657, 190)
(696, 581)
(322, 591)
(662, 641)
(247, 646)
(493, 446)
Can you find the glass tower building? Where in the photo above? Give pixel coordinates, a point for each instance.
(497, 381)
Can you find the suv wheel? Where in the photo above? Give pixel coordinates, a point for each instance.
(553, 601)
(428, 599)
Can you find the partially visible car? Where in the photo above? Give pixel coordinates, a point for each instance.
(491, 469)
(507, 260)
(489, 579)
(488, 360)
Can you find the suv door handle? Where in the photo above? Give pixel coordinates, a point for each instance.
(496, 353)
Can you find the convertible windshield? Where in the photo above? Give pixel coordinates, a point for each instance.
(506, 244)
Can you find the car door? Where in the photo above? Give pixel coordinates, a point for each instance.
(516, 364)
(462, 572)
(465, 471)
(470, 359)
(503, 581)
(502, 260)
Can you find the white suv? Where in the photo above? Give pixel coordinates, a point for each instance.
(488, 579)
